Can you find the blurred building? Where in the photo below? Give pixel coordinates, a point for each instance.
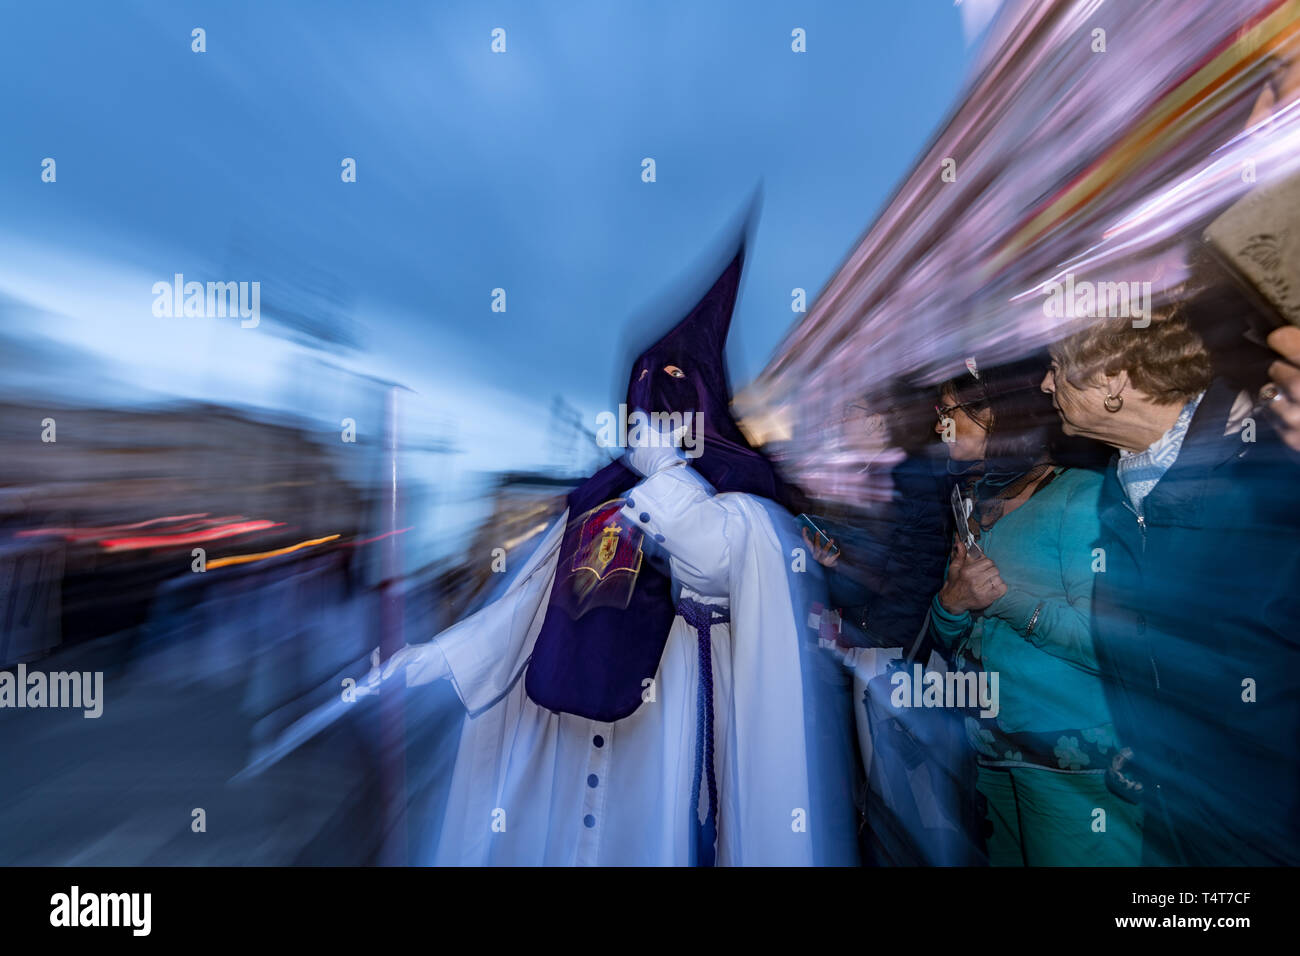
(1092, 139)
(95, 521)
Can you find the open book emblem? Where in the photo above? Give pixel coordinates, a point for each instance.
(607, 554)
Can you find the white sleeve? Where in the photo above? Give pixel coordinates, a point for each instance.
(678, 510)
(485, 653)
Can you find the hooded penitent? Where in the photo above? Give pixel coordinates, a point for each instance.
(611, 605)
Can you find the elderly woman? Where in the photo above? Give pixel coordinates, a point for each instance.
(1196, 611)
(1019, 599)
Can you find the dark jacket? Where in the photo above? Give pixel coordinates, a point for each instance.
(899, 559)
(1196, 612)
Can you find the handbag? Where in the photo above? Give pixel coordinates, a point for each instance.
(923, 807)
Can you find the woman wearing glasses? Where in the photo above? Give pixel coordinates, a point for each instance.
(1017, 601)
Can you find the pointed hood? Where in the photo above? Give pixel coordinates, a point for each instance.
(695, 349)
(686, 371)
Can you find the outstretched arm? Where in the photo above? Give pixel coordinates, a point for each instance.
(483, 656)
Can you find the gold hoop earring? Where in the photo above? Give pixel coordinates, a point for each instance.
(1117, 399)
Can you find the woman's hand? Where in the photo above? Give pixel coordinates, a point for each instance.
(973, 583)
(1285, 374)
(826, 556)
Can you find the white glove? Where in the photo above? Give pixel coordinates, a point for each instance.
(660, 450)
(424, 663)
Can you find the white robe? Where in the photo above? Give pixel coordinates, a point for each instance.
(535, 787)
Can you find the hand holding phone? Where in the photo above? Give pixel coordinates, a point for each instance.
(961, 509)
(825, 550)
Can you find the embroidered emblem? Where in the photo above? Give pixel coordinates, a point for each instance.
(608, 545)
(607, 554)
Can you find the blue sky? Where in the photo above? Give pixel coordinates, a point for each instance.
(476, 170)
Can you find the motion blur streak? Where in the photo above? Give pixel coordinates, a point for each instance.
(1064, 160)
(248, 558)
(174, 540)
(74, 534)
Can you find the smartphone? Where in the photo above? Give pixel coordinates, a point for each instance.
(817, 534)
(961, 509)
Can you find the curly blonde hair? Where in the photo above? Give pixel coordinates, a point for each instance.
(1167, 360)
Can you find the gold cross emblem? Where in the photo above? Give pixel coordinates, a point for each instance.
(608, 545)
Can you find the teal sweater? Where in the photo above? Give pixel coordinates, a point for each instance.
(1044, 552)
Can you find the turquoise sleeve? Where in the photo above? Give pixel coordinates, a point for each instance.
(947, 627)
(1064, 625)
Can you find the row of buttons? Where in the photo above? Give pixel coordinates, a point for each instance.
(592, 780)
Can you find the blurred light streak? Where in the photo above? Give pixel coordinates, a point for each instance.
(1170, 118)
(379, 537)
(171, 541)
(526, 536)
(93, 534)
(263, 555)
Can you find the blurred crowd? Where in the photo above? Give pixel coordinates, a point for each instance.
(1109, 525)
